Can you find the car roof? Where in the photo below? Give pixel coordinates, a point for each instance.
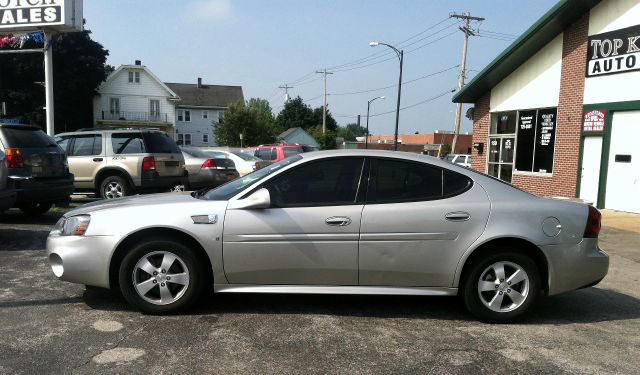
(89, 131)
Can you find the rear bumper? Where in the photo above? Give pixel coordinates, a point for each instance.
(34, 190)
(151, 182)
(211, 178)
(7, 199)
(575, 266)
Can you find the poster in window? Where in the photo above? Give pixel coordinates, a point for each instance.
(545, 141)
(526, 140)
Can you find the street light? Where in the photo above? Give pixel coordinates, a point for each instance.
(366, 139)
(400, 54)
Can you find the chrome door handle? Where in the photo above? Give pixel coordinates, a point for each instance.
(338, 221)
(457, 216)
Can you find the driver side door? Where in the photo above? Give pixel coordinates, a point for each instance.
(309, 235)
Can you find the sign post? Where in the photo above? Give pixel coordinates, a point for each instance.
(49, 17)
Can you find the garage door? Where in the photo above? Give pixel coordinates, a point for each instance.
(623, 177)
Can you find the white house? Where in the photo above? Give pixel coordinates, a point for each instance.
(200, 108)
(132, 96)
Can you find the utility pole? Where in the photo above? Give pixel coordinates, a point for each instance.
(467, 17)
(324, 107)
(286, 88)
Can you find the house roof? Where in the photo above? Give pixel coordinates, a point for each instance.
(116, 72)
(552, 23)
(288, 132)
(212, 96)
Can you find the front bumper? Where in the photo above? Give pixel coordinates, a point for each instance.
(81, 259)
(575, 266)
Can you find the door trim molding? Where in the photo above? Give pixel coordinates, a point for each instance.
(339, 289)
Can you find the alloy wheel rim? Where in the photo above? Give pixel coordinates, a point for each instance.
(160, 277)
(178, 188)
(113, 190)
(503, 286)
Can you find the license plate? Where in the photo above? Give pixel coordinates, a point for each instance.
(171, 163)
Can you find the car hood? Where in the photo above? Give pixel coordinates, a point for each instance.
(135, 201)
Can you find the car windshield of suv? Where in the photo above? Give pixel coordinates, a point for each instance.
(245, 156)
(26, 137)
(228, 190)
(160, 143)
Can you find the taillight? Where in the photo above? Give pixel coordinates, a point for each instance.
(209, 163)
(14, 158)
(148, 163)
(593, 223)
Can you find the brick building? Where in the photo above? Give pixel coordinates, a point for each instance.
(428, 143)
(558, 112)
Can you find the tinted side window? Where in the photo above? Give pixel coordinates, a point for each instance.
(266, 153)
(127, 143)
(322, 183)
(455, 183)
(86, 145)
(63, 142)
(400, 181)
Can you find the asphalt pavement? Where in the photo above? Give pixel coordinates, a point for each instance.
(49, 326)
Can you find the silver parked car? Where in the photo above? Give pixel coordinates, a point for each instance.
(207, 171)
(350, 221)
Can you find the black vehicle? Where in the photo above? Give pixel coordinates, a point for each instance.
(37, 168)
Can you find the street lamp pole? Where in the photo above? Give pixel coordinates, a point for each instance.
(366, 139)
(400, 54)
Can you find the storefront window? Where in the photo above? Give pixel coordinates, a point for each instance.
(523, 140)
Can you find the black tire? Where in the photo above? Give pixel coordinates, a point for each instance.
(35, 209)
(474, 299)
(112, 187)
(183, 299)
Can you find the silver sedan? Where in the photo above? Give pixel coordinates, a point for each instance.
(337, 222)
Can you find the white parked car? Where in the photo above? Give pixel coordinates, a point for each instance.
(460, 159)
(245, 162)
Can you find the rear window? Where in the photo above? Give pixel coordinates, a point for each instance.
(215, 154)
(245, 156)
(160, 143)
(289, 151)
(25, 138)
(195, 153)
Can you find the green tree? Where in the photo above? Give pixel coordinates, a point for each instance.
(325, 141)
(254, 120)
(295, 114)
(445, 149)
(332, 124)
(78, 69)
(350, 131)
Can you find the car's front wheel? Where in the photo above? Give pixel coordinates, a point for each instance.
(161, 276)
(501, 287)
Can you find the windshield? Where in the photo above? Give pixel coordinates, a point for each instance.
(228, 190)
(245, 156)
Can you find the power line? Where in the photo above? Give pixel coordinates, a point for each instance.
(403, 108)
(396, 85)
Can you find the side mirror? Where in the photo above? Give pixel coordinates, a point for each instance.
(259, 199)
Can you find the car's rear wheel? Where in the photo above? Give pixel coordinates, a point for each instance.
(161, 276)
(113, 187)
(35, 209)
(501, 287)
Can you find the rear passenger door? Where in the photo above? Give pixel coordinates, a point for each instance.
(417, 222)
(85, 154)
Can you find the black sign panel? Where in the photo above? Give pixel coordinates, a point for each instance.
(614, 52)
(545, 140)
(525, 141)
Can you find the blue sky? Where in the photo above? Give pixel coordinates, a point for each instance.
(261, 44)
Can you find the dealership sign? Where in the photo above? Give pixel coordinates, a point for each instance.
(29, 15)
(613, 52)
(594, 120)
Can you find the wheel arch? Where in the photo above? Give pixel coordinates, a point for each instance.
(112, 171)
(172, 233)
(519, 245)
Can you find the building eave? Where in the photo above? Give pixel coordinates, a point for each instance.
(552, 23)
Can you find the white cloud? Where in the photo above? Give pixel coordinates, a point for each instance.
(211, 9)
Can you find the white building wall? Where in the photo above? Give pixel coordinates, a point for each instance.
(134, 97)
(607, 16)
(199, 126)
(535, 84)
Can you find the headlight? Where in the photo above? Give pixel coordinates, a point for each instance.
(72, 226)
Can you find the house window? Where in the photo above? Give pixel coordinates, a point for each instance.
(187, 116)
(521, 141)
(187, 139)
(154, 109)
(205, 138)
(134, 77)
(220, 116)
(114, 106)
(205, 115)
(180, 115)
